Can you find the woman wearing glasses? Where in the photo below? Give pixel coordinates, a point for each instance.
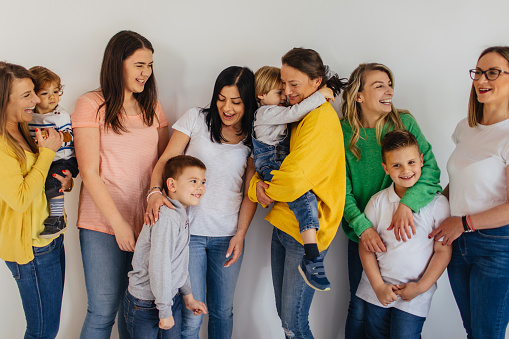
(478, 195)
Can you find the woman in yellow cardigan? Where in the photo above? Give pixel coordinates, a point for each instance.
(316, 162)
(36, 264)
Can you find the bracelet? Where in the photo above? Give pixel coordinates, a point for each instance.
(148, 196)
(153, 188)
(470, 223)
(466, 228)
(71, 187)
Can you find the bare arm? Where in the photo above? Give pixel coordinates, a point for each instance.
(176, 146)
(247, 211)
(164, 137)
(86, 142)
(384, 292)
(436, 266)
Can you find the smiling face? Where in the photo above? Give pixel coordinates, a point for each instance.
(298, 86)
(230, 107)
(136, 70)
(49, 94)
(275, 97)
(403, 165)
(22, 101)
(493, 91)
(375, 99)
(189, 187)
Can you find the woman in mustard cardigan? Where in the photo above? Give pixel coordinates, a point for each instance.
(316, 162)
(36, 264)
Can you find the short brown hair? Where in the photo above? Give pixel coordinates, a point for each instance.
(397, 139)
(43, 76)
(176, 165)
(267, 78)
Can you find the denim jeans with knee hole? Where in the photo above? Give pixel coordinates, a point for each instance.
(293, 295)
(268, 158)
(41, 285)
(105, 266)
(479, 277)
(207, 256)
(356, 318)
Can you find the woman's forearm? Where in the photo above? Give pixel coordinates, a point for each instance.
(247, 208)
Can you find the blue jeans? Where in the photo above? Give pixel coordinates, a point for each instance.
(268, 158)
(207, 256)
(392, 323)
(293, 295)
(105, 267)
(41, 285)
(479, 277)
(356, 318)
(142, 318)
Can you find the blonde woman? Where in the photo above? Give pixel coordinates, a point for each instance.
(368, 113)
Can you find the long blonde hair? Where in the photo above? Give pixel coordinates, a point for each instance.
(352, 110)
(8, 73)
(475, 108)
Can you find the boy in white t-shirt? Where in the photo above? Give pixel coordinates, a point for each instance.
(398, 284)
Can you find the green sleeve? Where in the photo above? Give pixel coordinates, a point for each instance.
(423, 192)
(356, 219)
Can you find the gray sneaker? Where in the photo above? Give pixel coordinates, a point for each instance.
(53, 226)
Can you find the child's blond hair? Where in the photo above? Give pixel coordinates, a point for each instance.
(267, 78)
(43, 76)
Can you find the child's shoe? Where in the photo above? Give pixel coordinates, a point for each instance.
(53, 226)
(313, 273)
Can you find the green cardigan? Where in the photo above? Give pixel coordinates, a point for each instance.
(365, 177)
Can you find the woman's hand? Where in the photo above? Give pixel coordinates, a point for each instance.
(65, 180)
(155, 201)
(450, 229)
(235, 249)
(194, 305)
(402, 222)
(124, 234)
(262, 197)
(371, 241)
(53, 141)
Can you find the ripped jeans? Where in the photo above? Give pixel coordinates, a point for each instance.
(293, 295)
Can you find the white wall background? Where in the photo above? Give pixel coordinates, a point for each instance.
(429, 45)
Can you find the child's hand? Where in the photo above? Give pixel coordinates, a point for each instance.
(385, 293)
(167, 323)
(408, 291)
(327, 93)
(194, 305)
(402, 222)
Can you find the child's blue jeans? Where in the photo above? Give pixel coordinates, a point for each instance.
(268, 158)
(142, 318)
(392, 323)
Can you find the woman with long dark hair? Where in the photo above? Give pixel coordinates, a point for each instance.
(119, 130)
(220, 136)
(316, 162)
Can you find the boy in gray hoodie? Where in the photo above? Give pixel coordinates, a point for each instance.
(160, 278)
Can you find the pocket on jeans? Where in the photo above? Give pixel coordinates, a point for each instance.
(140, 304)
(14, 268)
(45, 249)
(495, 233)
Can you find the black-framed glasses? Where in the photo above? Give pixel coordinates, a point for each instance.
(490, 74)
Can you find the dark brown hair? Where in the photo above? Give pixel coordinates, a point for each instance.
(176, 165)
(309, 62)
(120, 47)
(399, 138)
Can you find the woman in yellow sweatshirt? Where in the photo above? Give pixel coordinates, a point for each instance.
(316, 162)
(36, 264)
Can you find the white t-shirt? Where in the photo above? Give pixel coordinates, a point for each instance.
(477, 167)
(404, 261)
(218, 211)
